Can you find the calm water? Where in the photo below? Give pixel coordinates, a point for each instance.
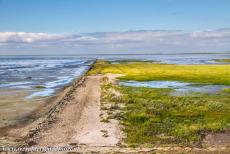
(54, 72)
(173, 59)
(180, 88)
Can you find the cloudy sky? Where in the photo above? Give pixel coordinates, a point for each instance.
(113, 26)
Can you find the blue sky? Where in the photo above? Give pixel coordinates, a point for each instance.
(22, 20)
(85, 16)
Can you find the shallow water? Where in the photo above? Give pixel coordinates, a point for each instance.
(180, 88)
(51, 72)
(172, 59)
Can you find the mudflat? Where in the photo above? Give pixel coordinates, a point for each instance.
(15, 107)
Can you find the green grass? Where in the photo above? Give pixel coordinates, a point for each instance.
(223, 60)
(39, 87)
(146, 71)
(226, 90)
(153, 117)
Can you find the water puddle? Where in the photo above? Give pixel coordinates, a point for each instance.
(180, 88)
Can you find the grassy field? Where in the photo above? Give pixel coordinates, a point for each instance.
(146, 71)
(226, 90)
(153, 117)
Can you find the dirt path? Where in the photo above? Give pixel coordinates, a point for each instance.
(79, 120)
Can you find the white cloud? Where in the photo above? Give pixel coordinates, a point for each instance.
(221, 33)
(22, 37)
(116, 42)
(138, 35)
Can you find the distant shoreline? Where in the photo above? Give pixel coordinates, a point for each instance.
(227, 52)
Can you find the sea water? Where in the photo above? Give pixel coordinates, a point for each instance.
(49, 72)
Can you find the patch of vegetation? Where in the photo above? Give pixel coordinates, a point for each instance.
(146, 71)
(110, 101)
(105, 120)
(223, 60)
(152, 116)
(39, 87)
(98, 67)
(105, 133)
(226, 90)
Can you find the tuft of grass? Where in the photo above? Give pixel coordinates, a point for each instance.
(39, 87)
(105, 133)
(146, 71)
(105, 120)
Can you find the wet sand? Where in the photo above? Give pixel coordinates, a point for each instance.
(15, 107)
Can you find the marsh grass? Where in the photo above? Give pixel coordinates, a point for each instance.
(153, 117)
(146, 71)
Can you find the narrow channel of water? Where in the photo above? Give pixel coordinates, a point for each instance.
(180, 88)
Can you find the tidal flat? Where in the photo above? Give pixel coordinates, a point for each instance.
(151, 116)
(14, 106)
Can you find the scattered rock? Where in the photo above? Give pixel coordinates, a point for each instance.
(32, 143)
(73, 144)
